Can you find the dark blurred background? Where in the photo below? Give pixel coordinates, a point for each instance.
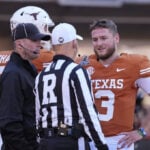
(132, 17)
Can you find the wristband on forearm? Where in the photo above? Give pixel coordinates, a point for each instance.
(142, 132)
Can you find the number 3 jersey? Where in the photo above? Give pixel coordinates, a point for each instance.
(115, 90)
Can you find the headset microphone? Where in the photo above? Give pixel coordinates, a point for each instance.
(34, 52)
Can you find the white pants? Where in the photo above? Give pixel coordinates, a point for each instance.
(112, 143)
(1, 142)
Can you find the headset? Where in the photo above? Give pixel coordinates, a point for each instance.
(33, 51)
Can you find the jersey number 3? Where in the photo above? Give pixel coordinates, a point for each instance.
(109, 104)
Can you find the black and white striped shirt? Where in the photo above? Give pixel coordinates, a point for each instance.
(63, 94)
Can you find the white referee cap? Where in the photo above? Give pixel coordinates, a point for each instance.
(63, 33)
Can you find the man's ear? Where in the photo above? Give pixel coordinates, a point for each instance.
(18, 44)
(74, 44)
(117, 38)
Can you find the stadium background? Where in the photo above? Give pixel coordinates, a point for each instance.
(131, 16)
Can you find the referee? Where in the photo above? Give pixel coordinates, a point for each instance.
(66, 117)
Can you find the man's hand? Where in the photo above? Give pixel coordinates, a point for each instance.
(129, 138)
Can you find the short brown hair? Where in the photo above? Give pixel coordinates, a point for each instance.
(104, 23)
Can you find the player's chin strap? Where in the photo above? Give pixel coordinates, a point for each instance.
(84, 61)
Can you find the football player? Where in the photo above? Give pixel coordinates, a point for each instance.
(115, 79)
(39, 17)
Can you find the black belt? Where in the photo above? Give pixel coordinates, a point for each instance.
(74, 131)
(51, 132)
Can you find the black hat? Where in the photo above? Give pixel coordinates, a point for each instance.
(29, 31)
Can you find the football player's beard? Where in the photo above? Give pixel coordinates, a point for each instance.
(109, 53)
